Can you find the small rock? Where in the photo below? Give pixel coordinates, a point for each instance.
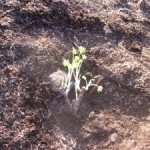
(56, 79)
(113, 137)
(107, 29)
(6, 21)
(91, 114)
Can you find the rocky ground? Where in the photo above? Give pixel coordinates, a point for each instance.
(35, 35)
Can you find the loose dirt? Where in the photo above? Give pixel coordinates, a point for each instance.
(34, 38)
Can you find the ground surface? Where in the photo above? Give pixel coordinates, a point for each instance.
(36, 35)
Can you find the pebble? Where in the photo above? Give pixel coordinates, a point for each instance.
(56, 79)
(113, 137)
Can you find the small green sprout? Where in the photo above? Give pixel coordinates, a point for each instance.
(74, 76)
(82, 50)
(91, 83)
(100, 89)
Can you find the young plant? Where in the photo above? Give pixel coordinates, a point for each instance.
(74, 77)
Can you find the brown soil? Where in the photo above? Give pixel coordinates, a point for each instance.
(36, 35)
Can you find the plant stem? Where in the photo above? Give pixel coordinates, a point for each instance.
(66, 98)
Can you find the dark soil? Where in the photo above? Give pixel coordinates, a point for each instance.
(34, 38)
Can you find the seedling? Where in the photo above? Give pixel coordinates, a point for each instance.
(74, 77)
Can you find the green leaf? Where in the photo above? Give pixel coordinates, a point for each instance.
(77, 58)
(80, 61)
(74, 51)
(82, 50)
(99, 89)
(84, 57)
(75, 65)
(66, 63)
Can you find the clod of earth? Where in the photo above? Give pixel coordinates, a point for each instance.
(56, 79)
